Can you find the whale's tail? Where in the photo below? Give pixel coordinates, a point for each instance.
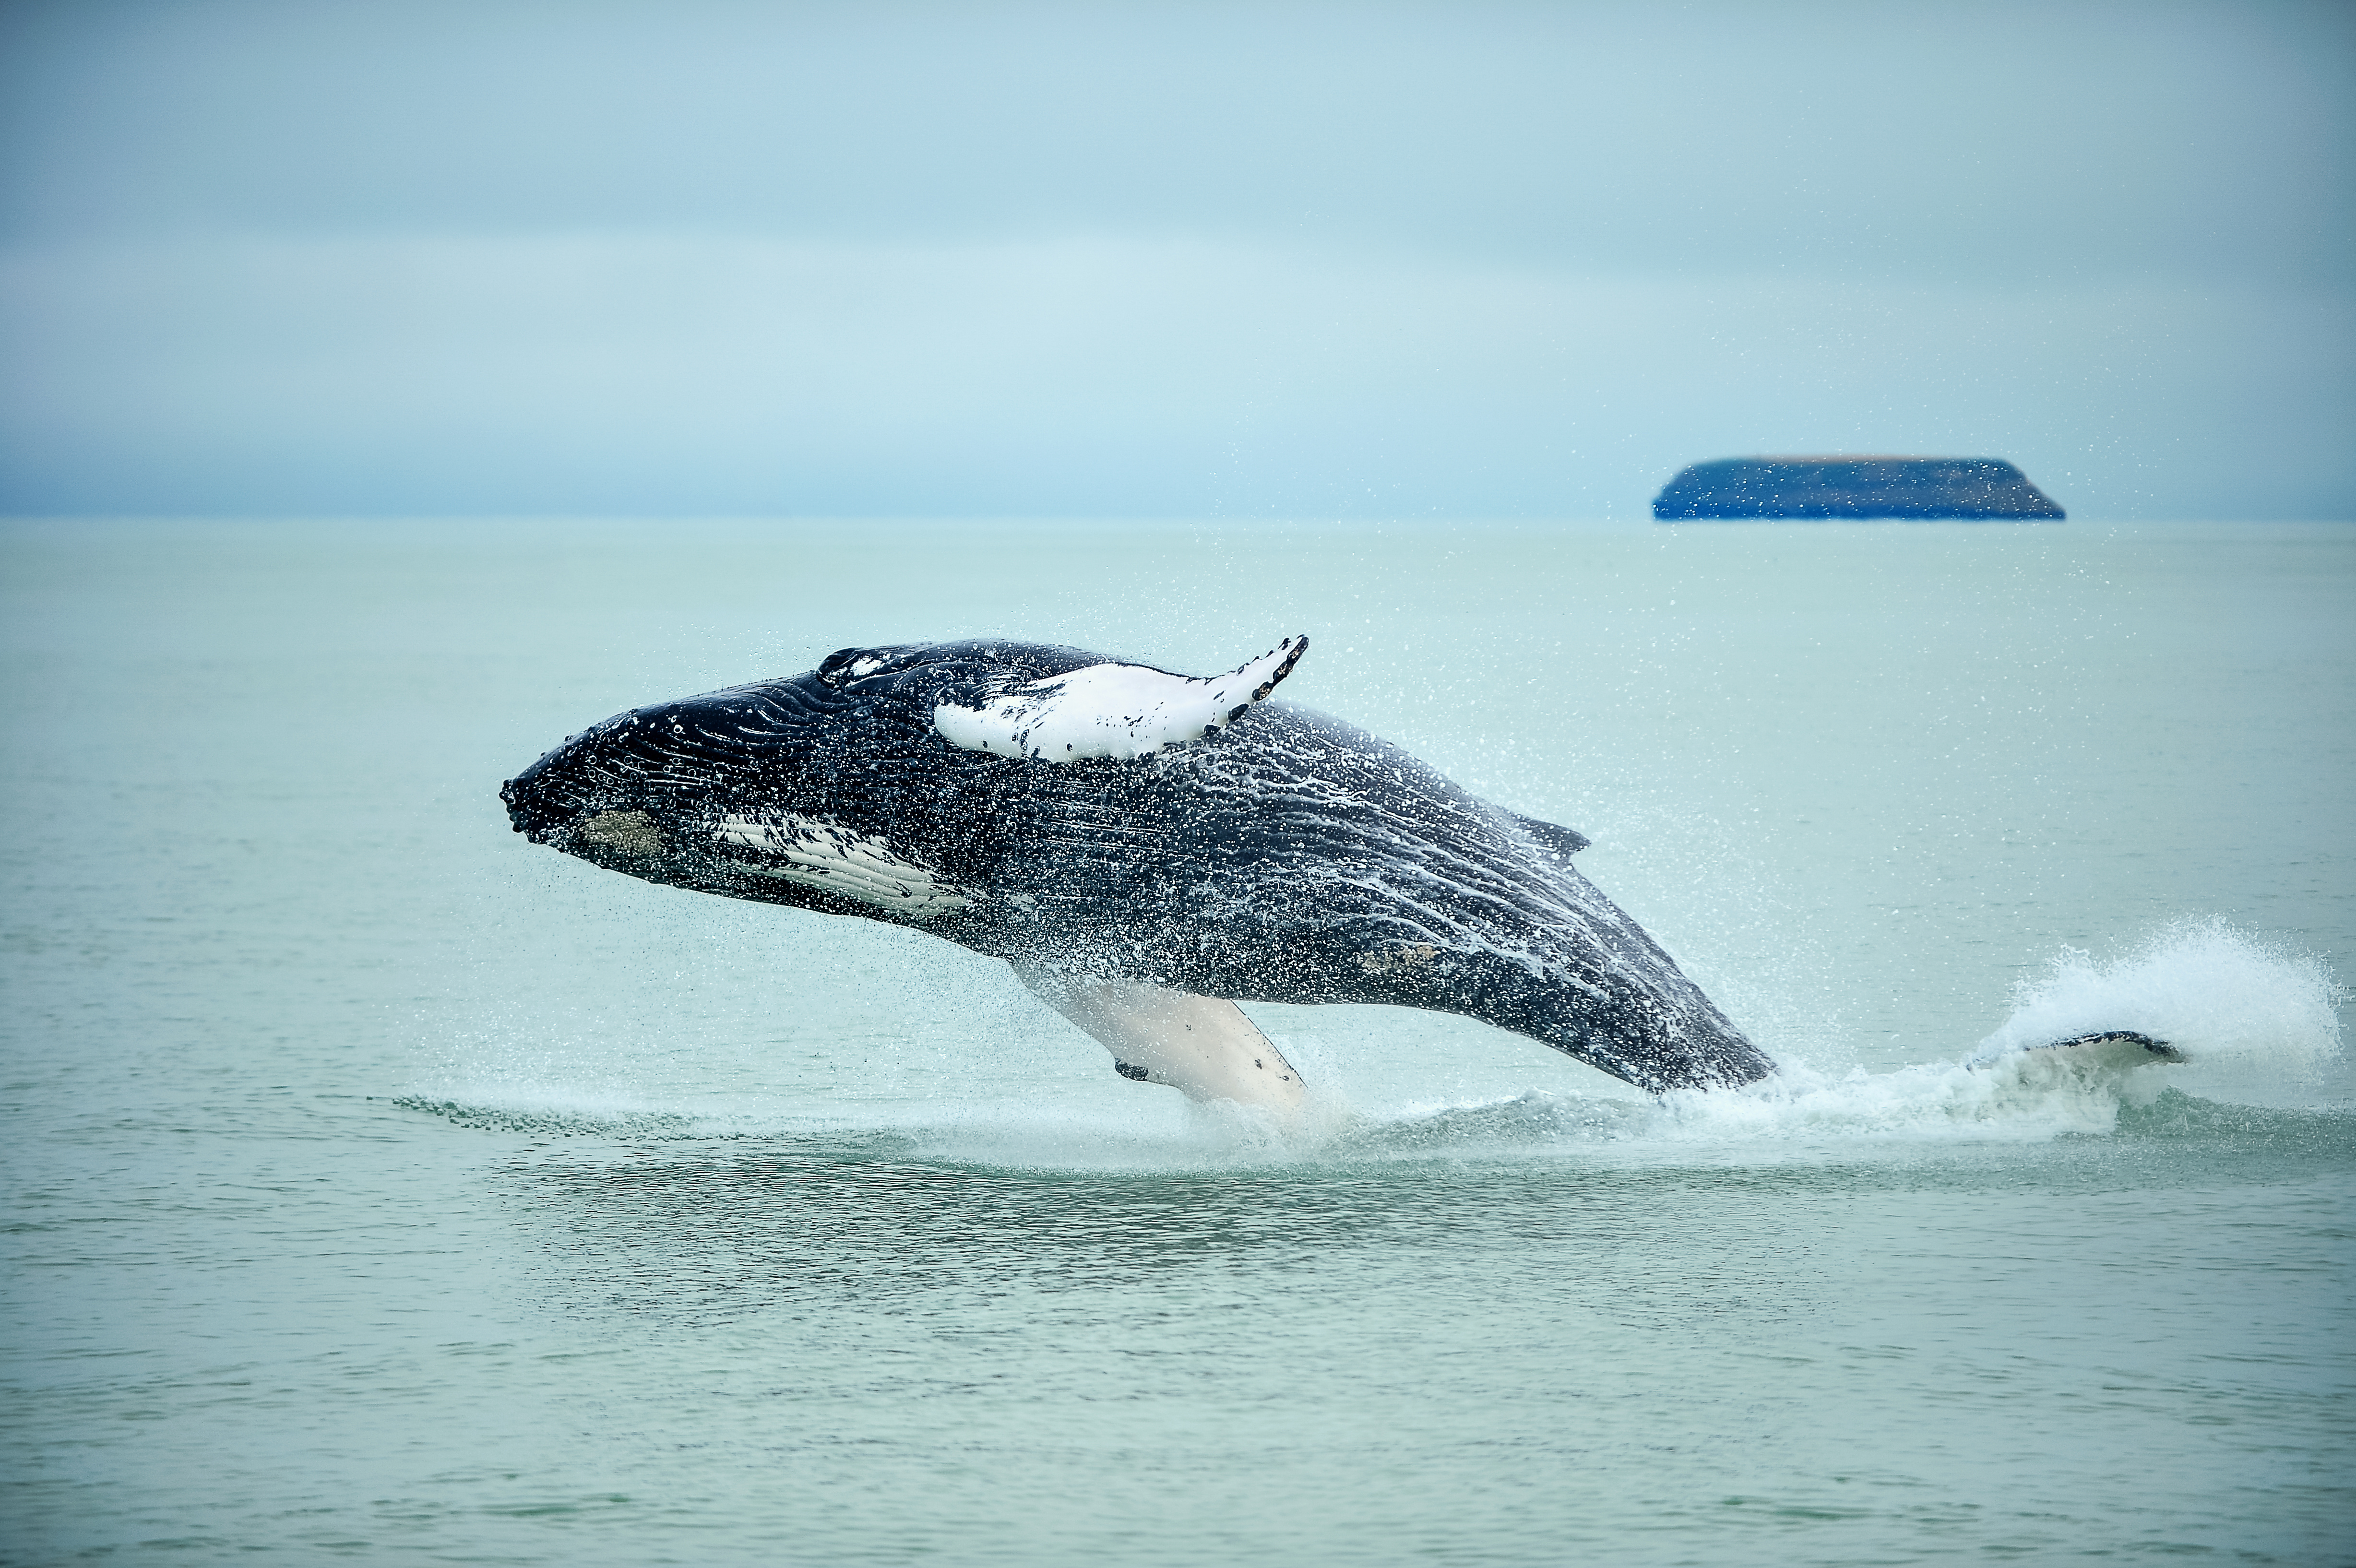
(2108, 1048)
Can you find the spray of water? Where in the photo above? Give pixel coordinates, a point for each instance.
(2226, 999)
(2256, 1023)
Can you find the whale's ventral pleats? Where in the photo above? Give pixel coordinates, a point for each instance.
(824, 855)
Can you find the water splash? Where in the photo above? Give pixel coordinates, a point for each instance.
(2256, 1021)
(2251, 1017)
(555, 1113)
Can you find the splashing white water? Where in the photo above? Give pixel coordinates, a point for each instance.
(2247, 1014)
(2254, 1022)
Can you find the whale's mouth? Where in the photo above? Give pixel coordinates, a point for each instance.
(594, 832)
(550, 816)
(558, 804)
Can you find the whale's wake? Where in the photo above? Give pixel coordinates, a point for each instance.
(2257, 1026)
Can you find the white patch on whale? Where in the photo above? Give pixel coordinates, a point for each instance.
(1203, 1045)
(817, 853)
(1119, 710)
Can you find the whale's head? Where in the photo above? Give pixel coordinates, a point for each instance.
(864, 721)
(765, 792)
(640, 791)
(811, 743)
(819, 789)
(874, 784)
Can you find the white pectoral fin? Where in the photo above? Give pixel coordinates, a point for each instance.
(1116, 710)
(1200, 1044)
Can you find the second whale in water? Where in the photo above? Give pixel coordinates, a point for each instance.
(1144, 848)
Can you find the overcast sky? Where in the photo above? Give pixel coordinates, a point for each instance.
(1267, 260)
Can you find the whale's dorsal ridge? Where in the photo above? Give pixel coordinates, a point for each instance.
(1553, 836)
(1121, 712)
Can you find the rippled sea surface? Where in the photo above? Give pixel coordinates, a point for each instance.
(380, 1185)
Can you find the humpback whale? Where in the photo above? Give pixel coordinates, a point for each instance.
(1145, 848)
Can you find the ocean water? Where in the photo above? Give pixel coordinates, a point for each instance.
(380, 1185)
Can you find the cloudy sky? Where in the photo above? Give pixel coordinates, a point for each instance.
(1271, 260)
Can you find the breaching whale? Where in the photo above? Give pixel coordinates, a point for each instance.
(1145, 848)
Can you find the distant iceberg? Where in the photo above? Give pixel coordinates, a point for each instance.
(1918, 487)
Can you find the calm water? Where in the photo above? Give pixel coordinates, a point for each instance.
(380, 1185)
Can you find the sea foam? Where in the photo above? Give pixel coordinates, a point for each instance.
(2249, 1015)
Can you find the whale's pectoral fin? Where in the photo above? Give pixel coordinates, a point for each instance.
(1117, 710)
(1200, 1044)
